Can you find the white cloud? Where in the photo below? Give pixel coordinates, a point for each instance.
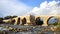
(13, 7)
(51, 8)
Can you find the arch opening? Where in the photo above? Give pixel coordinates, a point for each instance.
(12, 21)
(18, 22)
(23, 21)
(39, 21)
(52, 21)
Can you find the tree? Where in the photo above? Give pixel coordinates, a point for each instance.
(57, 22)
(1, 20)
(9, 17)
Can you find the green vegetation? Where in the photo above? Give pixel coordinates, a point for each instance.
(9, 17)
(1, 20)
(57, 23)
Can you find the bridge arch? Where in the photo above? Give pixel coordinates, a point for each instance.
(38, 21)
(18, 21)
(51, 20)
(12, 21)
(24, 21)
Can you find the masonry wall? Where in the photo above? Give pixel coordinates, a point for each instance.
(30, 19)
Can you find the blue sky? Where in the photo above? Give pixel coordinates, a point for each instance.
(34, 3)
(23, 7)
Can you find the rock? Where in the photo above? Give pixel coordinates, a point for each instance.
(39, 32)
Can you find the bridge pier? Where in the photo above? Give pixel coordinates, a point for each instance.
(45, 22)
(15, 21)
(45, 19)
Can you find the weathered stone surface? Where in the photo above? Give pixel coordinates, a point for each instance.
(30, 20)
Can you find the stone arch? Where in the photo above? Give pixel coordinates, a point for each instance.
(50, 18)
(24, 21)
(38, 21)
(18, 21)
(12, 21)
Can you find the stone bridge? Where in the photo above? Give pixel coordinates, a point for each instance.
(30, 20)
